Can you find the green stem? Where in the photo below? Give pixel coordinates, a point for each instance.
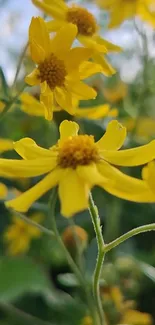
(33, 223)
(100, 258)
(72, 264)
(11, 102)
(21, 57)
(129, 234)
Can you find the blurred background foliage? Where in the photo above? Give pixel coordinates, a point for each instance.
(36, 283)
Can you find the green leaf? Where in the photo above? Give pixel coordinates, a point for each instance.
(68, 280)
(19, 276)
(148, 270)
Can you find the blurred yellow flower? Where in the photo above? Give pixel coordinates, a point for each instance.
(32, 106)
(76, 163)
(58, 71)
(87, 28)
(124, 309)
(144, 126)
(121, 10)
(116, 93)
(87, 320)
(2, 105)
(73, 236)
(19, 234)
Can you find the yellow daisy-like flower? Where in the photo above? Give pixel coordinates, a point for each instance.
(144, 126)
(121, 10)
(116, 93)
(58, 67)
(76, 164)
(87, 28)
(19, 234)
(32, 106)
(2, 105)
(127, 314)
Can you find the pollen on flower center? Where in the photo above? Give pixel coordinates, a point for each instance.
(78, 150)
(53, 71)
(83, 19)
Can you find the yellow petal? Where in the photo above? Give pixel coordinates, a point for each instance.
(28, 149)
(31, 105)
(107, 69)
(94, 112)
(124, 186)
(5, 145)
(67, 33)
(55, 25)
(46, 100)
(91, 43)
(25, 168)
(131, 157)
(33, 79)
(25, 200)
(108, 45)
(90, 174)
(88, 69)
(19, 245)
(3, 191)
(67, 129)
(135, 317)
(114, 137)
(148, 174)
(81, 90)
(64, 99)
(39, 40)
(73, 193)
(56, 9)
(76, 56)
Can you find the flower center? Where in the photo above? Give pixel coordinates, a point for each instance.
(83, 19)
(78, 150)
(53, 71)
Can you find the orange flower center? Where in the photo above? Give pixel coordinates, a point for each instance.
(78, 150)
(53, 71)
(83, 19)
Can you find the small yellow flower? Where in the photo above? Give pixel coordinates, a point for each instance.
(121, 10)
(144, 127)
(32, 106)
(116, 93)
(2, 105)
(87, 320)
(73, 236)
(19, 234)
(127, 315)
(76, 163)
(87, 28)
(58, 67)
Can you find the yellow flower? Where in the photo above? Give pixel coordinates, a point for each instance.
(32, 106)
(87, 320)
(144, 126)
(86, 25)
(73, 236)
(116, 93)
(121, 10)
(77, 164)
(58, 67)
(2, 105)
(19, 234)
(124, 308)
